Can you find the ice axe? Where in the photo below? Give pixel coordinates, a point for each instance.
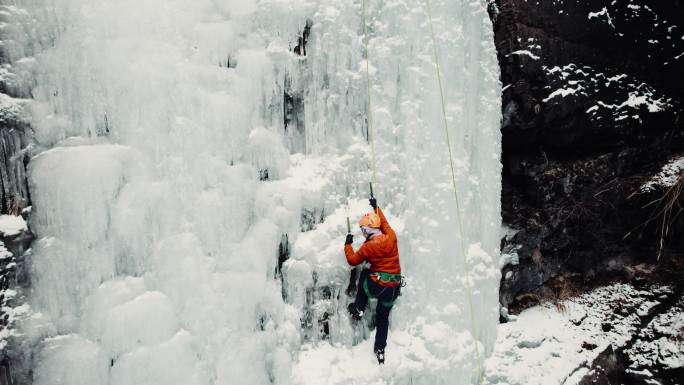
(348, 223)
(351, 288)
(370, 184)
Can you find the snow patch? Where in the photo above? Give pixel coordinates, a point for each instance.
(526, 53)
(668, 176)
(602, 12)
(12, 225)
(563, 92)
(548, 345)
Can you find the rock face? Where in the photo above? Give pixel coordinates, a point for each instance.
(15, 132)
(15, 136)
(592, 108)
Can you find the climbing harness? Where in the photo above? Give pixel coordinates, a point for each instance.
(370, 295)
(466, 264)
(393, 279)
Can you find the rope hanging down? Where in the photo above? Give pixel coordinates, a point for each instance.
(371, 126)
(466, 264)
(371, 130)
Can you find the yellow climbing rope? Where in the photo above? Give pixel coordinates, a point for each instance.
(371, 126)
(466, 264)
(371, 130)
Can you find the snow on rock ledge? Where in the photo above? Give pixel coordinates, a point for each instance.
(661, 342)
(556, 345)
(668, 176)
(11, 225)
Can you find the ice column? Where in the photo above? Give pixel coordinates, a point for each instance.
(181, 147)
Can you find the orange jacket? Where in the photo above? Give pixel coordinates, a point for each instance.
(381, 252)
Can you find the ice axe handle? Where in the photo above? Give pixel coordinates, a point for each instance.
(370, 184)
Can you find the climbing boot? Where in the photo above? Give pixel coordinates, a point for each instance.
(355, 313)
(380, 355)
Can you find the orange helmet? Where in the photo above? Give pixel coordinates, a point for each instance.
(370, 220)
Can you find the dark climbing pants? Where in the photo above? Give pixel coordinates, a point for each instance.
(385, 296)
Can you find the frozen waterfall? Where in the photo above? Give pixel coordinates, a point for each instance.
(196, 162)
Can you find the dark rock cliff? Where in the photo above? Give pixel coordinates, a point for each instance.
(592, 110)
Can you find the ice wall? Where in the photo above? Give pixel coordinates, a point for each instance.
(197, 161)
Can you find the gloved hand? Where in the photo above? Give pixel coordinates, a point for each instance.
(349, 240)
(374, 203)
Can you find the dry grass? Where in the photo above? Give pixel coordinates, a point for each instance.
(668, 209)
(560, 290)
(555, 291)
(16, 205)
(528, 299)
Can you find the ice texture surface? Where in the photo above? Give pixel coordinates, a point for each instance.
(195, 174)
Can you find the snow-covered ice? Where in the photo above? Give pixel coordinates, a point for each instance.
(194, 177)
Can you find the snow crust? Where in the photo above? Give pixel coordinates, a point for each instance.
(550, 345)
(170, 185)
(661, 341)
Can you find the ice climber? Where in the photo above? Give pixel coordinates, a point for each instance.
(383, 279)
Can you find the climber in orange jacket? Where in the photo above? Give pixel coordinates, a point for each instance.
(383, 279)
